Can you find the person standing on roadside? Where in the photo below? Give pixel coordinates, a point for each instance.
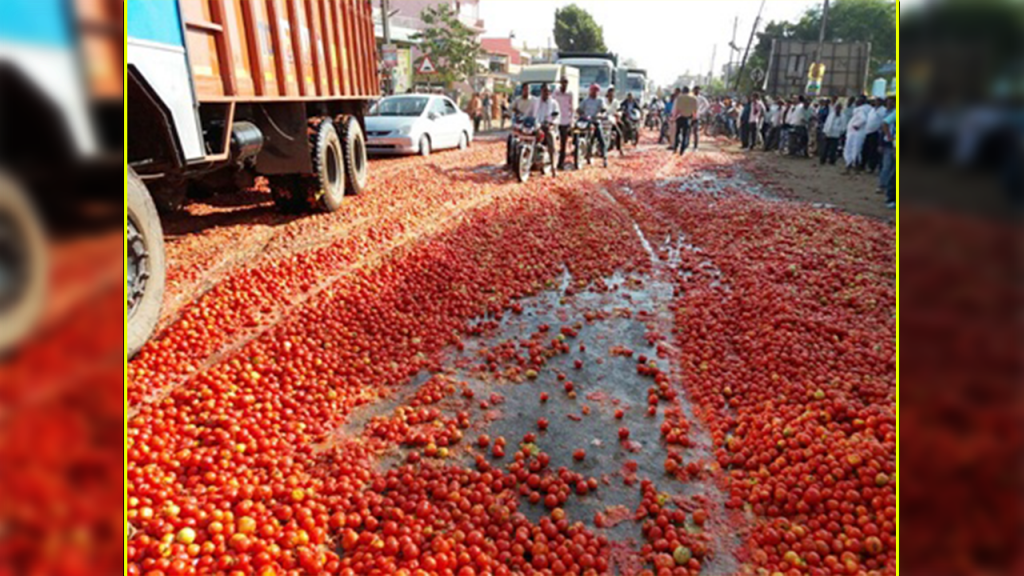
(476, 111)
(485, 110)
(831, 132)
(496, 104)
(757, 114)
(887, 180)
(873, 140)
(684, 111)
(856, 132)
(797, 121)
(745, 125)
(851, 105)
(568, 111)
(667, 120)
(703, 110)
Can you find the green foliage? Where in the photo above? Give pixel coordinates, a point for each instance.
(451, 45)
(872, 21)
(576, 31)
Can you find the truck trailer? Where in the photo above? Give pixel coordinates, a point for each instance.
(222, 91)
(219, 92)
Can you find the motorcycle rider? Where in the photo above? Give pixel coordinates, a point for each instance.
(546, 112)
(567, 112)
(626, 108)
(520, 109)
(590, 109)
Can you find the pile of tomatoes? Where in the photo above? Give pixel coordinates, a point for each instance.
(786, 347)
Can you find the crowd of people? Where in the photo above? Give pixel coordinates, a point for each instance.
(860, 130)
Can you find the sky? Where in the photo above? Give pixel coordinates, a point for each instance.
(665, 37)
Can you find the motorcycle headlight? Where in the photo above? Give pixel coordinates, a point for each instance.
(582, 125)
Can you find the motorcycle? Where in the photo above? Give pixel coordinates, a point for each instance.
(584, 138)
(532, 149)
(613, 134)
(653, 120)
(631, 126)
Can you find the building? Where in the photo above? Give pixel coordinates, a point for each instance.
(405, 22)
(502, 63)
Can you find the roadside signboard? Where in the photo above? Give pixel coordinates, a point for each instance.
(390, 54)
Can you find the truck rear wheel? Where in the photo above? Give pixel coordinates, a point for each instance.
(145, 275)
(356, 173)
(23, 265)
(322, 190)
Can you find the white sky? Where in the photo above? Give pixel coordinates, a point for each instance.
(665, 37)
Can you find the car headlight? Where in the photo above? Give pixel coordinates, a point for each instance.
(404, 130)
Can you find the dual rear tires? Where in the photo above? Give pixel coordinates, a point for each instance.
(340, 168)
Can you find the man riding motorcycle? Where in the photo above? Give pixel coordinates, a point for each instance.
(629, 124)
(521, 108)
(546, 112)
(614, 121)
(592, 109)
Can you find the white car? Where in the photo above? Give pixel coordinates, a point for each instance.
(416, 124)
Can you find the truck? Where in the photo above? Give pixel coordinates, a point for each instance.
(636, 84)
(220, 92)
(61, 107)
(595, 68)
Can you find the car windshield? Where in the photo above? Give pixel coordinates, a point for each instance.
(594, 75)
(400, 106)
(635, 83)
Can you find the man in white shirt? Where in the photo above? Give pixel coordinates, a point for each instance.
(703, 111)
(856, 132)
(546, 112)
(833, 131)
(567, 109)
(521, 108)
(797, 121)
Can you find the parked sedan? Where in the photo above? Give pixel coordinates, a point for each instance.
(416, 124)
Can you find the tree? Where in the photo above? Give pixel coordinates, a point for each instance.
(450, 44)
(872, 21)
(576, 31)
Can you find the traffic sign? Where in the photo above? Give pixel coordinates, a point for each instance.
(390, 55)
(426, 66)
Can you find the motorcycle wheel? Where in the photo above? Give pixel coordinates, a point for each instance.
(576, 153)
(525, 163)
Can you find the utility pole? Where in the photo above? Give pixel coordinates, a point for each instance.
(746, 53)
(385, 20)
(385, 17)
(711, 71)
(733, 49)
(821, 34)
